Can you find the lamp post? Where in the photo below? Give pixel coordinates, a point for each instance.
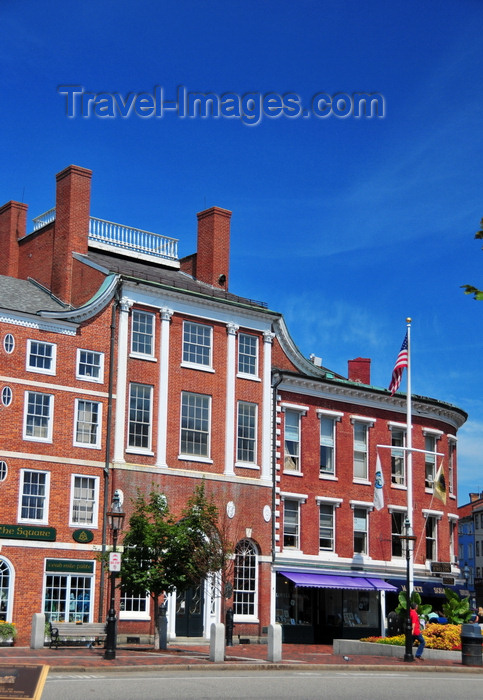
(115, 520)
(409, 539)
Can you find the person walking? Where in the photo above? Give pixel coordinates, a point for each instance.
(416, 630)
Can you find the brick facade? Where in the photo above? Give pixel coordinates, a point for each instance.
(122, 322)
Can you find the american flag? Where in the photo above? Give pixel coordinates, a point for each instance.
(401, 363)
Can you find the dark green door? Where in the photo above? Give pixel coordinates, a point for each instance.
(189, 612)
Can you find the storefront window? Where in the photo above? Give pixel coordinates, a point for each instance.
(4, 589)
(68, 598)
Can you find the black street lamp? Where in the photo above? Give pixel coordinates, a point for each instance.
(115, 520)
(410, 539)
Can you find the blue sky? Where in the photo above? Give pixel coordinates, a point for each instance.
(345, 225)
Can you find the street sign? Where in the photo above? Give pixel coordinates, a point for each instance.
(114, 561)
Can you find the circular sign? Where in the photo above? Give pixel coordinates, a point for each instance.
(267, 513)
(83, 536)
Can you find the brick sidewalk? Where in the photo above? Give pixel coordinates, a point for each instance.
(188, 656)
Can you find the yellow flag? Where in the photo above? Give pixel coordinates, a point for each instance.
(440, 484)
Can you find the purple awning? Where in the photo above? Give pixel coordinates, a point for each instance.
(312, 580)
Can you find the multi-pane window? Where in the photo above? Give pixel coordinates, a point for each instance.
(87, 423)
(7, 396)
(397, 530)
(327, 445)
(397, 457)
(360, 450)
(245, 579)
(3, 470)
(133, 605)
(429, 460)
(431, 533)
(197, 343)
(247, 354)
(90, 365)
(84, 500)
(68, 598)
(360, 530)
(38, 416)
(292, 440)
(140, 409)
(247, 432)
(5, 581)
(41, 357)
(142, 333)
(326, 527)
(451, 465)
(9, 343)
(291, 524)
(33, 495)
(195, 424)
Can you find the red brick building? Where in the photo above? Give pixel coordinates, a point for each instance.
(124, 367)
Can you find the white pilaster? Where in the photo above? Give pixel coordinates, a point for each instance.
(231, 329)
(122, 355)
(163, 387)
(268, 337)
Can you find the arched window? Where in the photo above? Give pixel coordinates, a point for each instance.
(5, 589)
(245, 589)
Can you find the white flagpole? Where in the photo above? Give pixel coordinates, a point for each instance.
(409, 460)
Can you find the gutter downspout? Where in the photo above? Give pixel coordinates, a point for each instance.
(107, 459)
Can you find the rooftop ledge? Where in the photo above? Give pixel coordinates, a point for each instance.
(134, 242)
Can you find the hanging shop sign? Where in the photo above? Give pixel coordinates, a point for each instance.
(28, 532)
(440, 567)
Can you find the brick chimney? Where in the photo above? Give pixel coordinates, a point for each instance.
(72, 205)
(212, 262)
(13, 225)
(359, 370)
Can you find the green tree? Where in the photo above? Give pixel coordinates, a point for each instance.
(469, 289)
(163, 553)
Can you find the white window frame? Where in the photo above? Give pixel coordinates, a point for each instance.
(41, 370)
(452, 463)
(146, 314)
(301, 411)
(49, 419)
(88, 445)
(136, 614)
(252, 589)
(243, 428)
(368, 508)
(7, 588)
(9, 343)
(330, 443)
(140, 449)
(86, 377)
(255, 345)
(46, 498)
(398, 479)
(361, 447)
(430, 458)
(207, 332)
(189, 455)
(7, 396)
(68, 578)
(95, 511)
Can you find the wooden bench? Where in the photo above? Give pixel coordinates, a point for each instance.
(77, 632)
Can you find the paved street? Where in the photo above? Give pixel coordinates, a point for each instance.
(294, 684)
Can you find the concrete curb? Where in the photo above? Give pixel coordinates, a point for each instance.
(300, 667)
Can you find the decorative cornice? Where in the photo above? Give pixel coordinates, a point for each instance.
(100, 299)
(422, 407)
(38, 324)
